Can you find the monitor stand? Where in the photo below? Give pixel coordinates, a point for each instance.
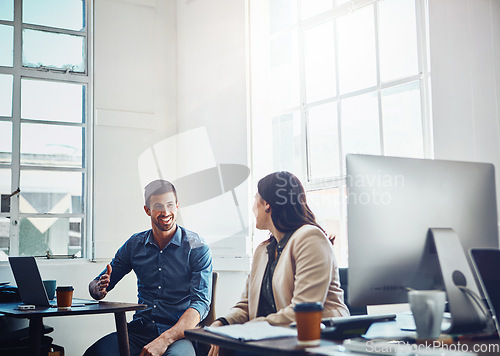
(467, 317)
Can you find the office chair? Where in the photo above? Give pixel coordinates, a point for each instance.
(14, 334)
(202, 349)
(210, 318)
(343, 272)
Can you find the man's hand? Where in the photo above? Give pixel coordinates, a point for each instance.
(188, 320)
(157, 347)
(98, 288)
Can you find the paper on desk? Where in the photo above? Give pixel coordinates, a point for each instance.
(259, 330)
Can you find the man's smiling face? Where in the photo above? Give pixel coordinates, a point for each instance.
(163, 210)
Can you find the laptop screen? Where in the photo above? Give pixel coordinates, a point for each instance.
(487, 265)
(28, 280)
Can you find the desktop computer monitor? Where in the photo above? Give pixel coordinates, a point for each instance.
(411, 223)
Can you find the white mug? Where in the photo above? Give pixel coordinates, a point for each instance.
(427, 307)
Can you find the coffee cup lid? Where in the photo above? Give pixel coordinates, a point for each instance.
(64, 288)
(306, 307)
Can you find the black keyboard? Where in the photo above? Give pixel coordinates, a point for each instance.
(339, 328)
(357, 319)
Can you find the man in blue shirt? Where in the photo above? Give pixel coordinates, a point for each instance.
(174, 279)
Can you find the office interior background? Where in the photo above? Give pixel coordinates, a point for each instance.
(206, 92)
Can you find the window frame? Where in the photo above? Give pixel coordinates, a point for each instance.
(19, 73)
(423, 77)
(261, 113)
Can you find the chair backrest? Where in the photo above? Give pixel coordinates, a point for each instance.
(343, 272)
(210, 318)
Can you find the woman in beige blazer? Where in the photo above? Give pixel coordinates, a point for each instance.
(296, 264)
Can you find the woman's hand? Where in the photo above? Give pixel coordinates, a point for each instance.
(214, 349)
(217, 323)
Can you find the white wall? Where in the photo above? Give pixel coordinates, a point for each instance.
(465, 77)
(211, 89)
(134, 106)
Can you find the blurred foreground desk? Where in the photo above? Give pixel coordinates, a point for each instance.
(278, 346)
(35, 317)
(289, 346)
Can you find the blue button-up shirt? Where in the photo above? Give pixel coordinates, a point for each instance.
(169, 281)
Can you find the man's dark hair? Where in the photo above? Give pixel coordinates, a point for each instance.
(157, 187)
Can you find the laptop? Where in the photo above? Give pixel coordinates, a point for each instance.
(30, 285)
(486, 263)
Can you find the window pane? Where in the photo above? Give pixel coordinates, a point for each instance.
(319, 62)
(5, 95)
(5, 190)
(402, 121)
(51, 192)
(287, 152)
(5, 142)
(4, 238)
(52, 101)
(282, 14)
(53, 50)
(7, 10)
(397, 39)
(58, 236)
(284, 79)
(357, 61)
(360, 125)
(51, 145)
(54, 13)
(323, 141)
(310, 8)
(326, 205)
(7, 47)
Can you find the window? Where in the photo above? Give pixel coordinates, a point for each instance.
(44, 127)
(332, 77)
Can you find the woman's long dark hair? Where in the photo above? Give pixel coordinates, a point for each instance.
(287, 198)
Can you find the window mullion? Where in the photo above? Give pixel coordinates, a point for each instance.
(337, 93)
(27, 26)
(423, 66)
(303, 106)
(16, 131)
(379, 84)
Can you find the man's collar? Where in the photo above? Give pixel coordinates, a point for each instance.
(150, 239)
(176, 239)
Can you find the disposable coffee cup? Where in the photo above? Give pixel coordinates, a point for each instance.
(64, 296)
(50, 287)
(308, 317)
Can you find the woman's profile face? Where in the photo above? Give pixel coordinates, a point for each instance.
(259, 210)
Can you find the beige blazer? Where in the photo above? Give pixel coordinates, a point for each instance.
(306, 272)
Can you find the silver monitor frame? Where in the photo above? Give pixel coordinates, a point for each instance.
(392, 204)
